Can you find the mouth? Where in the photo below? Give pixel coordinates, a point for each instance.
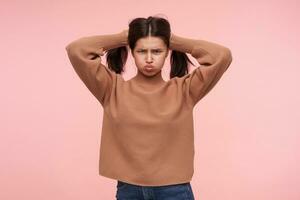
(149, 67)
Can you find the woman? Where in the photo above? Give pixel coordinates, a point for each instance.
(147, 140)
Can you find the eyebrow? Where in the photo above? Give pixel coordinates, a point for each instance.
(151, 49)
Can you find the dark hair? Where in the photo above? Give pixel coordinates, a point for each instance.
(139, 28)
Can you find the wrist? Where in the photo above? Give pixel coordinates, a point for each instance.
(124, 37)
(171, 42)
(181, 44)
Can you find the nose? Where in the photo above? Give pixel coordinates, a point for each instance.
(149, 57)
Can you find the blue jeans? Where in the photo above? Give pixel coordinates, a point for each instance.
(126, 191)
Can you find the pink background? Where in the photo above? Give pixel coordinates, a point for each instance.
(246, 129)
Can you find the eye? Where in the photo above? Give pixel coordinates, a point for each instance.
(154, 51)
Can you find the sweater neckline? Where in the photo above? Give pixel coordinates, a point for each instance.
(144, 88)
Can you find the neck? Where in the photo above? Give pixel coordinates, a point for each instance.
(154, 80)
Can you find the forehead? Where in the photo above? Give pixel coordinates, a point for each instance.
(150, 42)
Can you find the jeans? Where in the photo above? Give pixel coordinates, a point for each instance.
(126, 191)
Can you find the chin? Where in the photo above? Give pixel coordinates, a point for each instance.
(152, 73)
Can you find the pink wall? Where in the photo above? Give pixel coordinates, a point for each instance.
(246, 129)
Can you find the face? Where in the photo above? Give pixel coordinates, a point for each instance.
(151, 51)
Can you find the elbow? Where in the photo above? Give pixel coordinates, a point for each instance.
(227, 55)
(72, 46)
(225, 58)
(69, 48)
(73, 49)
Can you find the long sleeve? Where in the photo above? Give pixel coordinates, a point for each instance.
(215, 59)
(84, 54)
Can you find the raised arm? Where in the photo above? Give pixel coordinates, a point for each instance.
(85, 56)
(215, 59)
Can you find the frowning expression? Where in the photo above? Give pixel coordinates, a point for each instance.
(149, 55)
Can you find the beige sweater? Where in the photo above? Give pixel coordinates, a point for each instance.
(147, 136)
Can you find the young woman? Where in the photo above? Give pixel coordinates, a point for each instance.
(147, 140)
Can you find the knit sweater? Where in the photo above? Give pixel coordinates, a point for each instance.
(147, 136)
